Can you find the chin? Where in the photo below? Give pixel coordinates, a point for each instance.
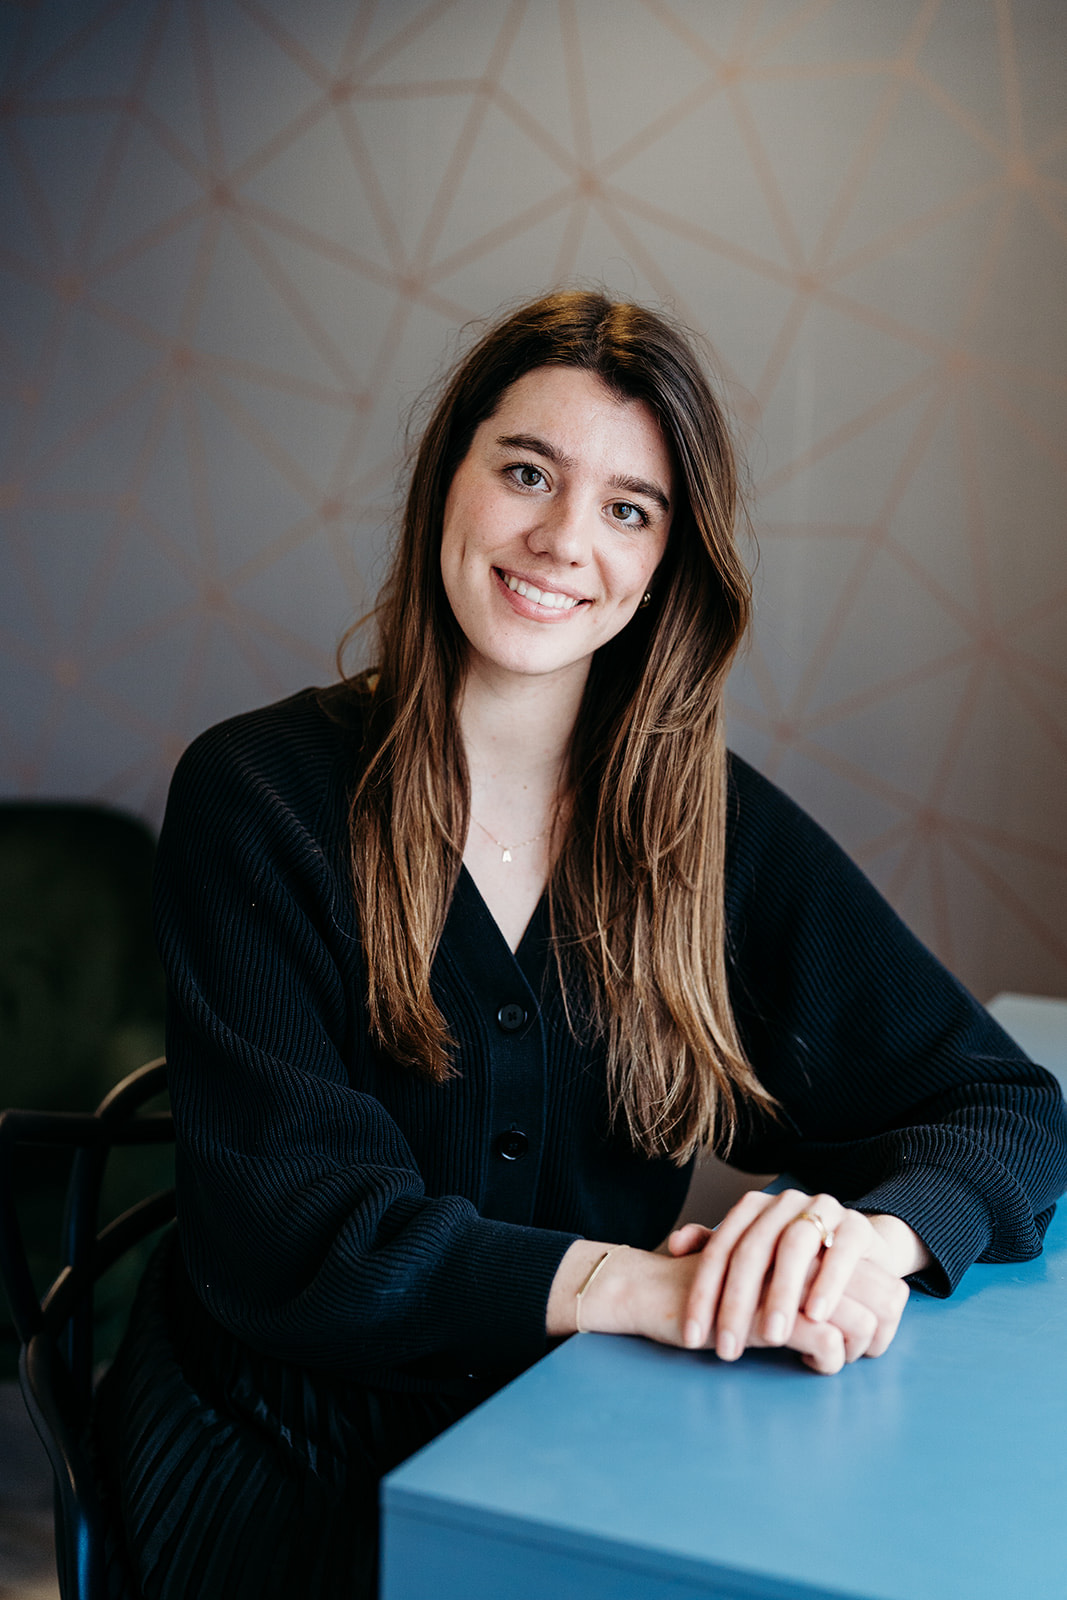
(534, 663)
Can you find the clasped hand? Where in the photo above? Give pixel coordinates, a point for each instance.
(763, 1278)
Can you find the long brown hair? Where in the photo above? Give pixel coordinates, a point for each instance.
(636, 892)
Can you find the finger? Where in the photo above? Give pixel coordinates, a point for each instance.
(703, 1299)
(774, 1239)
(820, 1345)
(885, 1295)
(854, 1241)
(688, 1239)
(857, 1325)
(801, 1263)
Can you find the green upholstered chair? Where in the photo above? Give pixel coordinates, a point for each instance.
(81, 1005)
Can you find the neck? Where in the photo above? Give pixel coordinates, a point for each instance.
(517, 732)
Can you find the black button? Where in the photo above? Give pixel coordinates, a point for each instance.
(512, 1145)
(511, 1017)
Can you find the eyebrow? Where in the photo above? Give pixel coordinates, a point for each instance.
(542, 447)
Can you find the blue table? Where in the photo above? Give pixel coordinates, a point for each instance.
(620, 1469)
(1039, 1024)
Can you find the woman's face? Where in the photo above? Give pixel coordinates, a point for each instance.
(555, 523)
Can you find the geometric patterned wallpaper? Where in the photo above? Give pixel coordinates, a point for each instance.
(239, 237)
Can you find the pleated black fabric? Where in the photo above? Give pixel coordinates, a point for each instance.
(233, 1476)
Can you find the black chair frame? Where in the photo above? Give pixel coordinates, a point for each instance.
(56, 1362)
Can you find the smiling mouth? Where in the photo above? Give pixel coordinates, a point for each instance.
(549, 598)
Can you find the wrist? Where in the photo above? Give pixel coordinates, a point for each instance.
(574, 1272)
(634, 1291)
(637, 1292)
(905, 1252)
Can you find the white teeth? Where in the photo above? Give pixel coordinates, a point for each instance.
(540, 597)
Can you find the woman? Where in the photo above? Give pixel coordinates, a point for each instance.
(471, 954)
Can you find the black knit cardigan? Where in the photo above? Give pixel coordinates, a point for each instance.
(342, 1213)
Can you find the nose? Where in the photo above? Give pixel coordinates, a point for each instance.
(564, 531)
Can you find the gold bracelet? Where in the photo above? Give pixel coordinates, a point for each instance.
(588, 1284)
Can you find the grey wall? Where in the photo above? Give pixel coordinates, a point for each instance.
(237, 239)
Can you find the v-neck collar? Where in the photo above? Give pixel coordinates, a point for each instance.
(470, 909)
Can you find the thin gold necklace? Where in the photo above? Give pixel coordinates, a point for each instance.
(506, 849)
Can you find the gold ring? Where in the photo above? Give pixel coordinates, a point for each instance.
(826, 1234)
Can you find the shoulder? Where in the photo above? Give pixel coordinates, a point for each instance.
(294, 742)
(783, 862)
(762, 820)
(295, 756)
(748, 788)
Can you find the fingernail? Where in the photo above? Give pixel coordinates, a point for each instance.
(816, 1311)
(774, 1332)
(726, 1345)
(692, 1333)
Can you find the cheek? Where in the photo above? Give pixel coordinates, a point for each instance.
(452, 571)
(646, 564)
(449, 561)
(466, 537)
(454, 529)
(654, 558)
(469, 523)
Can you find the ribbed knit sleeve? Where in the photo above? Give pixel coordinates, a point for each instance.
(305, 1220)
(898, 1092)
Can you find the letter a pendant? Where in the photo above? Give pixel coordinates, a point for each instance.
(506, 849)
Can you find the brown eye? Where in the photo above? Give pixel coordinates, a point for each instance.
(530, 477)
(632, 515)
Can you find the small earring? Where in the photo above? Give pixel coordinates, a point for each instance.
(646, 600)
